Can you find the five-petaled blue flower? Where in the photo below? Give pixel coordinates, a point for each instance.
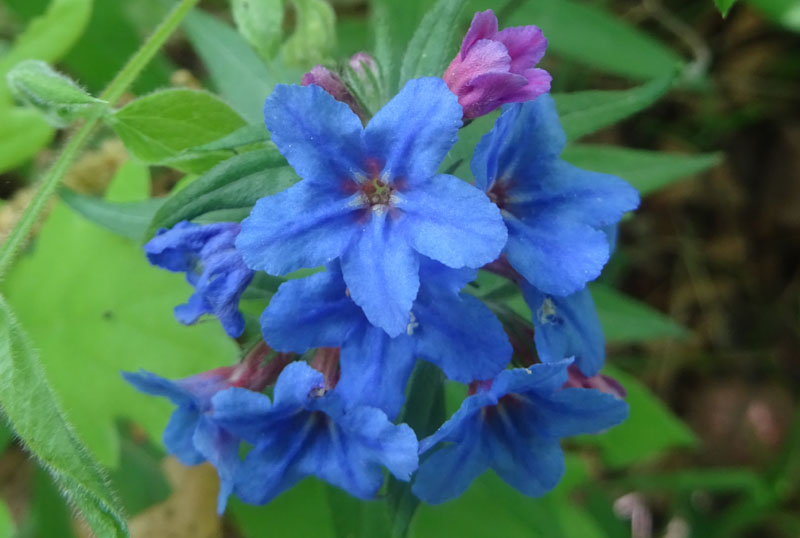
(555, 212)
(453, 330)
(212, 265)
(370, 197)
(192, 434)
(513, 425)
(312, 431)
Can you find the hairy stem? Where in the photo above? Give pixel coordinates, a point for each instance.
(112, 93)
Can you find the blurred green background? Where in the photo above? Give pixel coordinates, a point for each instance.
(708, 349)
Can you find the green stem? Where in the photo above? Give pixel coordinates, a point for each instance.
(112, 93)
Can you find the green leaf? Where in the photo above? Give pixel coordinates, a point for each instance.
(242, 78)
(7, 529)
(6, 437)
(314, 37)
(158, 127)
(585, 112)
(247, 135)
(62, 101)
(785, 12)
(301, 511)
(724, 6)
(625, 319)
(648, 171)
(233, 185)
(393, 24)
(47, 37)
(96, 307)
(424, 412)
(591, 35)
(128, 219)
(23, 132)
(434, 43)
(261, 24)
(139, 480)
(650, 430)
(45, 431)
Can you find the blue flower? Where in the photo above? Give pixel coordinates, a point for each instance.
(309, 430)
(192, 434)
(212, 265)
(453, 330)
(513, 425)
(370, 197)
(555, 212)
(567, 327)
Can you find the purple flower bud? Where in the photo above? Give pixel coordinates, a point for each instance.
(601, 382)
(330, 82)
(494, 68)
(361, 62)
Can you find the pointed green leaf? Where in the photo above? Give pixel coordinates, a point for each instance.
(261, 24)
(435, 42)
(158, 127)
(648, 171)
(585, 112)
(56, 95)
(785, 12)
(242, 78)
(592, 35)
(625, 319)
(37, 417)
(232, 187)
(724, 6)
(127, 219)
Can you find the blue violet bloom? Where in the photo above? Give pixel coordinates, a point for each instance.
(310, 430)
(192, 434)
(370, 196)
(513, 425)
(555, 212)
(453, 330)
(212, 265)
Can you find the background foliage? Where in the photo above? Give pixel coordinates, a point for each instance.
(700, 304)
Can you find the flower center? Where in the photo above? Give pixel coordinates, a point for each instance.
(498, 193)
(377, 192)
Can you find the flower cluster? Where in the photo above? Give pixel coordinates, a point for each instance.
(400, 246)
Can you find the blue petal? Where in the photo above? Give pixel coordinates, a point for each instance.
(295, 383)
(558, 257)
(150, 383)
(523, 134)
(375, 369)
(311, 312)
(242, 412)
(577, 411)
(448, 472)
(222, 450)
(318, 135)
(567, 327)
(303, 226)
(452, 222)
(394, 446)
(461, 335)
(531, 465)
(541, 378)
(381, 272)
(271, 467)
(415, 130)
(179, 433)
(436, 276)
(559, 190)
